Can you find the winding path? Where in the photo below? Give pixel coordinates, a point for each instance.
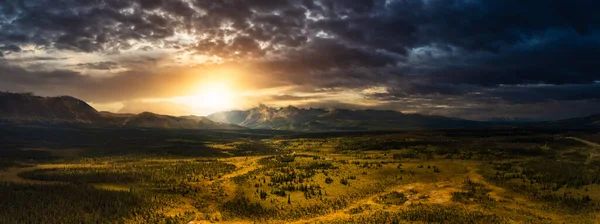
(594, 145)
(438, 193)
(12, 174)
(245, 165)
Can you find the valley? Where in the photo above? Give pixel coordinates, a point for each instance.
(299, 111)
(185, 176)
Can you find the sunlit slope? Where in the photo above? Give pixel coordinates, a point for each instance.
(292, 118)
(16, 107)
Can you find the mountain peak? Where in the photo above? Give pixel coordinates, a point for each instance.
(146, 113)
(289, 108)
(26, 106)
(293, 118)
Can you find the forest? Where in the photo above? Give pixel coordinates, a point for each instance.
(183, 176)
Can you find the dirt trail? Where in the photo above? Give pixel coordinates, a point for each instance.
(515, 201)
(426, 193)
(437, 193)
(497, 193)
(12, 174)
(221, 190)
(225, 188)
(245, 165)
(345, 213)
(594, 145)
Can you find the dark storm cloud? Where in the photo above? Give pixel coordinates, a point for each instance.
(511, 46)
(12, 48)
(327, 63)
(537, 94)
(278, 24)
(105, 65)
(325, 54)
(332, 104)
(483, 51)
(465, 51)
(565, 59)
(392, 29)
(8, 49)
(18, 76)
(35, 58)
(87, 26)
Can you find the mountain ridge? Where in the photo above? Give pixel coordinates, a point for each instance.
(315, 119)
(293, 118)
(26, 107)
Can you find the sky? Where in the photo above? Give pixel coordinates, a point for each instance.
(474, 59)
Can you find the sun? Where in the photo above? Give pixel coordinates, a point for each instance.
(217, 96)
(210, 97)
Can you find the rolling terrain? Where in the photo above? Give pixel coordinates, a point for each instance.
(116, 175)
(292, 118)
(16, 107)
(61, 158)
(313, 119)
(27, 108)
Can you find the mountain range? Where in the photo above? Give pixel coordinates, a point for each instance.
(24, 107)
(293, 118)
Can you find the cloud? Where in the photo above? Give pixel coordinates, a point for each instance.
(104, 65)
(123, 86)
(82, 25)
(11, 48)
(465, 56)
(548, 93)
(287, 97)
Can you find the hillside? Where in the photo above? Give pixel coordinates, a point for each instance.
(592, 121)
(35, 108)
(292, 118)
(24, 107)
(151, 120)
(17, 107)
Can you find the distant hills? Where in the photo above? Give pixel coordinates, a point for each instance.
(19, 107)
(292, 118)
(589, 121)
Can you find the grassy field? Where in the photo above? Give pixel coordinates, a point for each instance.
(180, 176)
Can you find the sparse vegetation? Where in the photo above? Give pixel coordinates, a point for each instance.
(394, 198)
(178, 176)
